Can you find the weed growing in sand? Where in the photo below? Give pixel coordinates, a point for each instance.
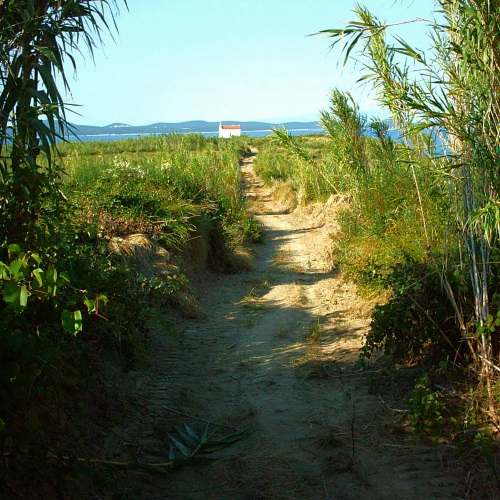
(258, 288)
(281, 332)
(249, 322)
(281, 259)
(253, 299)
(314, 331)
(302, 360)
(285, 329)
(428, 407)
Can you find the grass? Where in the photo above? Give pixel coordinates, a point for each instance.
(258, 288)
(300, 297)
(179, 193)
(281, 259)
(313, 333)
(309, 180)
(282, 331)
(165, 187)
(253, 301)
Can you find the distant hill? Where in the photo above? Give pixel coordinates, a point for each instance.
(185, 127)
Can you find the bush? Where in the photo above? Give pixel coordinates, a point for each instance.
(416, 321)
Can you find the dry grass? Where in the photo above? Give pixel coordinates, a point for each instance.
(149, 258)
(284, 196)
(282, 259)
(152, 260)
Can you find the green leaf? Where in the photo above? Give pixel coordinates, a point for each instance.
(64, 277)
(182, 448)
(90, 305)
(2, 425)
(72, 321)
(36, 258)
(14, 296)
(4, 271)
(192, 434)
(102, 298)
(204, 435)
(14, 249)
(23, 296)
(37, 273)
(15, 269)
(189, 438)
(51, 274)
(219, 444)
(235, 436)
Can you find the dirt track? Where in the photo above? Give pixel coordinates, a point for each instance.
(276, 354)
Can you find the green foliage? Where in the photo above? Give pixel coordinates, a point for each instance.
(35, 39)
(345, 126)
(39, 306)
(447, 91)
(406, 327)
(383, 225)
(189, 448)
(165, 187)
(168, 185)
(314, 332)
(428, 411)
(24, 282)
(317, 167)
(161, 186)
(490, 326)
(38, 311)
(271, 165)
(307, 163)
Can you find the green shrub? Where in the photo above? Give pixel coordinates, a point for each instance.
(416, 321)
(428, 411)
(162, 187)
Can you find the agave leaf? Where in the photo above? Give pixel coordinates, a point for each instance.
(204, 436)
(192, 435)
(190, 440)
(235, 436)
(218, 444)
(172, 455)
(181, 447)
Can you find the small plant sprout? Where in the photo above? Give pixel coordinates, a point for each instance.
(314, 331)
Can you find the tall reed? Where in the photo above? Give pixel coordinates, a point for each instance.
(453, 92)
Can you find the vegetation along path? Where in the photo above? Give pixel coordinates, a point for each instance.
(275, 353)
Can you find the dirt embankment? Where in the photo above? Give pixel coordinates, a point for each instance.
(275, 354)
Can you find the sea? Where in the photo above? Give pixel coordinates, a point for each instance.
(251, 133)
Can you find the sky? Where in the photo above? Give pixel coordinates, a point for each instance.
(229, 60)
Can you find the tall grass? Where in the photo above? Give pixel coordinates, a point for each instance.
(451, 90)
(392, 235)
(310, 164)
(181, 192)
(158, 185)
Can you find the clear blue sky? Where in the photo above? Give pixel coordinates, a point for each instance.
(177, 60)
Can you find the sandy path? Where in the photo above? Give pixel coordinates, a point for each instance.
(317, 429)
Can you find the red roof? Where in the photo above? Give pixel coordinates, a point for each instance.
(231, 126)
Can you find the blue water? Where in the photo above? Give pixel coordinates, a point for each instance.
(119, 137)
